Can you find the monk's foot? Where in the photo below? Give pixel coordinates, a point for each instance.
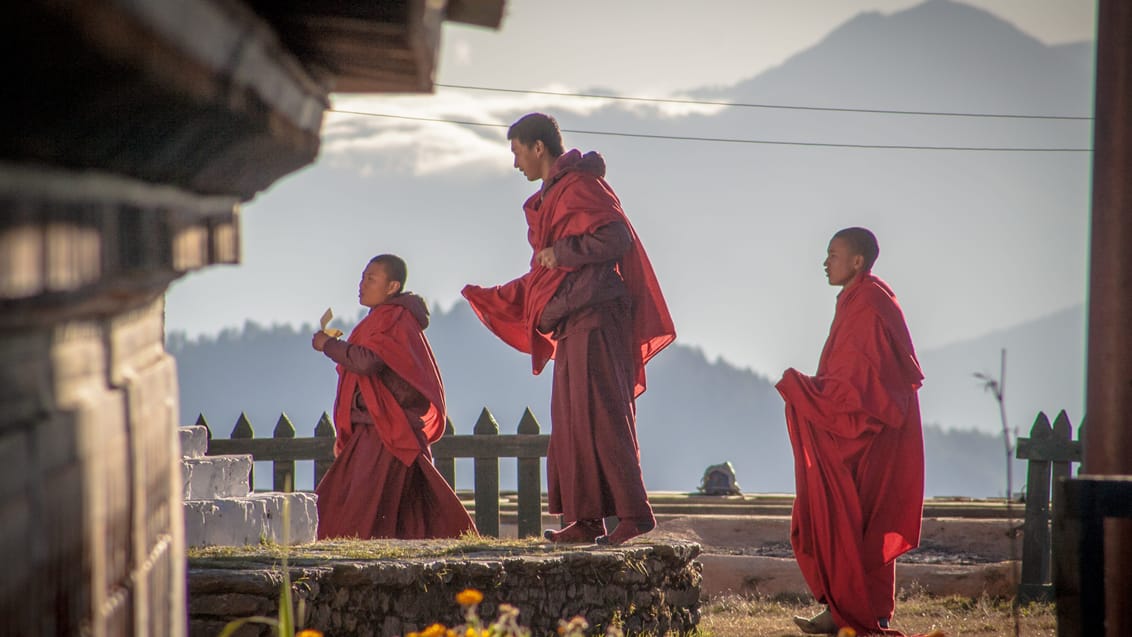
(882, 622)
(627, 529)
(579, 532)
(820, 624)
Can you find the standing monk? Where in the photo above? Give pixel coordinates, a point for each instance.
(388, 410)
(591, 302)
(858, 448)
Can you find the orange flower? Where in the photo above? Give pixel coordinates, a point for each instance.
(436, 630)
(846, 632)
(309, 632)
(469, 597)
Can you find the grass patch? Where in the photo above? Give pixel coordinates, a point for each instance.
(730, 616)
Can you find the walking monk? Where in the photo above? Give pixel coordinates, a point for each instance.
(858, 448)
(388, 410)
(592, 303)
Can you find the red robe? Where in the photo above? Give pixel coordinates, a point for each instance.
(573, 202)
(383, 482)
(858, 457)
(593, 461)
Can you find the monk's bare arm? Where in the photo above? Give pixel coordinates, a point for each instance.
(607, 243)
(355, 358)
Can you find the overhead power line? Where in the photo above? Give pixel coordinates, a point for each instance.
(730, 140)
(790, 107)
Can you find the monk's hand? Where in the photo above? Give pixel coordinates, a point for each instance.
(318, 341)
(546, 258)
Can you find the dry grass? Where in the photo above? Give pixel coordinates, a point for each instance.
(355, 549)
(915, 613)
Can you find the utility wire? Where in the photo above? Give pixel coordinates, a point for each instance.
(660, 100)
(731, 140)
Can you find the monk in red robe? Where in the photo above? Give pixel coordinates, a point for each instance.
(858, 448)
(388, 410)
(592, 303)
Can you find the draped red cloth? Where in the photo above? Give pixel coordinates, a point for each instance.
(858, 457)
(382, 482)
(396, 336)
(575, 200)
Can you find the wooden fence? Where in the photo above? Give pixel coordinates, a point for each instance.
(1050, 451)
(485, 445)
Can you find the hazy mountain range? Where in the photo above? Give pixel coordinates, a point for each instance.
(695, 413)
(971, 241)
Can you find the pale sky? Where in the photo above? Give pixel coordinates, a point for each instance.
(640, 48)
(655, 47)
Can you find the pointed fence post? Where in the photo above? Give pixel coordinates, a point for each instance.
(487, 479)
(243, 430)
(283, 471)
(1062, 471)
(201, 422)
(447, 465)
(530, 484)
(324, 429)
(1035, 535)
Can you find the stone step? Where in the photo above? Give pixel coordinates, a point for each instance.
(216, 476)
(194, 441)
(247, 520)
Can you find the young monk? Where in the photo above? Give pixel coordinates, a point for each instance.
(388, 410)
(858, 448)
(591, 302)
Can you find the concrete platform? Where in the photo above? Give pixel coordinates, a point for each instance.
(754, 574)
(752, 555)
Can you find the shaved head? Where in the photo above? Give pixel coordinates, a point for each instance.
(861, 241)
(395, 268)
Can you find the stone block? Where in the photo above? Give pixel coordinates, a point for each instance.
(194, 441)
(228, 604)
(242, 521)
(216, 477)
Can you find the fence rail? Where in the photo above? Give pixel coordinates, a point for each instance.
(485, 446)
(1050, 452)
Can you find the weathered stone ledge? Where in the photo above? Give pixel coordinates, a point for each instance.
(651, 589)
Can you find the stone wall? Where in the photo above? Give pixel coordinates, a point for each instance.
(651, 590)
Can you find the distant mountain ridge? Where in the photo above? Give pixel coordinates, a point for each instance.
(955, 56)
(1045, 371)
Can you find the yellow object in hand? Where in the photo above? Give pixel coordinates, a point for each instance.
(332, 332)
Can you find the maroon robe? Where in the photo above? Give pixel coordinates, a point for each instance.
(389, 408)
(858, 457)
(601, 316)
